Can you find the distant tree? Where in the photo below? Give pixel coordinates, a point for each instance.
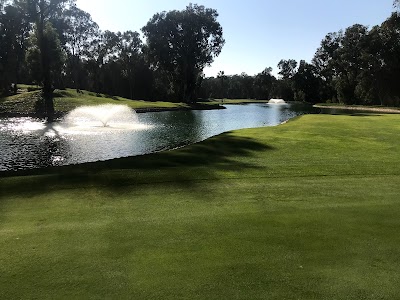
(325, 61)
(284, 87)
(182, 43)
(222, 79)
(234, 86)
(306, 83)
(80, 31)
(287, 68)
(349, 62)
(263, 83)
(247, 86)
(103, 53)
(129, 46)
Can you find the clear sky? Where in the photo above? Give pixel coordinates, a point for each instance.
(258, 33)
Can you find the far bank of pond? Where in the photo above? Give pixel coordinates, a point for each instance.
(339, 109)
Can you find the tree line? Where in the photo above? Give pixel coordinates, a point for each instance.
(357, 65)
(55, 44)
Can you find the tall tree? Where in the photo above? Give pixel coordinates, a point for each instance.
(103, 52)
(349, 62)
(287, 68)
(390, 58)
(263, 84)
(80, 32)
(325, 61)
(222, 79)
(182, 43)
(53, 51)
(129, 46)
(40, 12)
(14, 31)
(284, 87)
(306, 83)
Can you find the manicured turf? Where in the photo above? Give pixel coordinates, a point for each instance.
(68, 99)
(306, 210)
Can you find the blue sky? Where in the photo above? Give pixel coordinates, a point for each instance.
(258, 33)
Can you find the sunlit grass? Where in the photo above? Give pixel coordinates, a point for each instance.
(70, 99)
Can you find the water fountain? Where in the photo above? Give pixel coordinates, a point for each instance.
(106, 115)
(95, 133)
(276, 101)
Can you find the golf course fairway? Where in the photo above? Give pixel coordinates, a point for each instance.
(306, 210)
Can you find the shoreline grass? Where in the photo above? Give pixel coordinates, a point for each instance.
(68, 99)
(370, 108)
(307, 210)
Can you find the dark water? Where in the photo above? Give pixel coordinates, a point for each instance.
(30, 143)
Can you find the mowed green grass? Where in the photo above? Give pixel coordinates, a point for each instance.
(68, 99)
(305, 210)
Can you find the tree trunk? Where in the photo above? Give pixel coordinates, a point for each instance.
(47, 91)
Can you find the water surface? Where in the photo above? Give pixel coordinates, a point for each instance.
(30, 143)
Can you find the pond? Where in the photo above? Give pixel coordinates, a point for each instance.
(27, 143)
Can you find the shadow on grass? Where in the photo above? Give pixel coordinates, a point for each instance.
(182, 167)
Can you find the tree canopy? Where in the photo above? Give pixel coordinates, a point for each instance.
(182, 43)
(55, 44)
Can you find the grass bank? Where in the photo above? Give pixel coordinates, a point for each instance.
(305, 210)
(370, 108)
(234, 101)
(25, 103)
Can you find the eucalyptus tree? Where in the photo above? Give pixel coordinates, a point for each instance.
(306, 83)
(390, 58)
(222, 79)
(247, 91)
(129, 46)
(284, 87)
(40, 12)
(102, 62)
(287, 68)
(349, 62)
(263, 83)
(182, 43)
(13, 35)
(80, 32)
(325, 61)
(55, 58)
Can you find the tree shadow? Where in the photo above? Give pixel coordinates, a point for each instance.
(184, 167)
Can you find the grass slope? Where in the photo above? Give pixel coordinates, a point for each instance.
(67, 100)
(306, 210)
